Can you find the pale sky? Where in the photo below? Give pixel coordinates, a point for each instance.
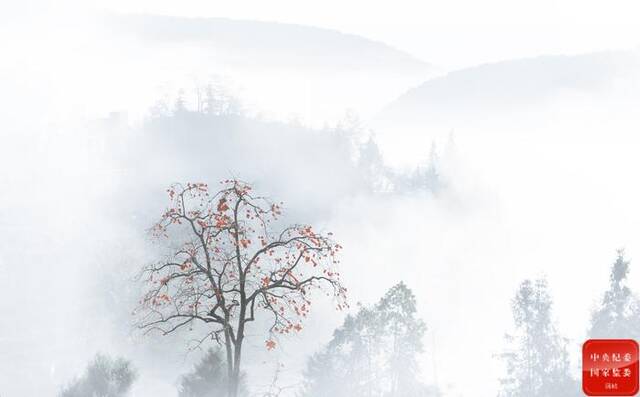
(451, 34)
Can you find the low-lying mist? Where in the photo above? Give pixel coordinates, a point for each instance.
(461, 208)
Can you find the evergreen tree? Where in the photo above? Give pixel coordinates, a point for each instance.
(397, 313)
(373, 354)
(618, 315)
(425, 177)
(371, 165)
(432, 173)
(104, 377)
(347, 365)
(208, 378)
(537, 363)
(218, 101)
(180, 105)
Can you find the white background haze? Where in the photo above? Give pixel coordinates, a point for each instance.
(535, 187)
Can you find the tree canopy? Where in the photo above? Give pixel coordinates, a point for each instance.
(618, 314)
(537, 361)
(374, 353)
(104, 377)
(229, 262)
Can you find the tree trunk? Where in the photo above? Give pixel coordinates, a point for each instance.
(231, 389)
(234, 367)
(233, 386)
(235, 377)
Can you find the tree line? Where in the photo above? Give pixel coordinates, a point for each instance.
(347, 143)
(537, 359)
(228, 263)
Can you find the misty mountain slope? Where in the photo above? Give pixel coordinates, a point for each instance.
(280, 70)
(312, 168)
(308, 167)
(549, 95)
(270, 43)
(511, 84)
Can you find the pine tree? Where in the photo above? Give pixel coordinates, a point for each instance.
(104, 377)
(371, 166)
(218, 101)
(432, 173)
(618, 315)
(537, 362)
(180, 105)
(373, 354)
(397, 313)
(346, 366)
(208, 378)
(425, 177)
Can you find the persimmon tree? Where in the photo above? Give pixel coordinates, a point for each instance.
(230, 261)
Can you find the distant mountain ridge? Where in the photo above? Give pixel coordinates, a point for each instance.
(271, 42)
(513, 83)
